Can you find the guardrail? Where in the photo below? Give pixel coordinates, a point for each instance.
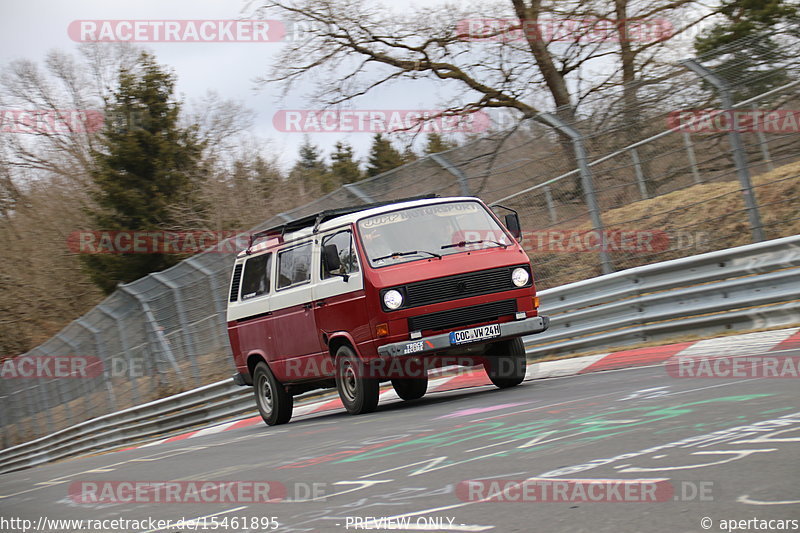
(751, 286)
(748, 287)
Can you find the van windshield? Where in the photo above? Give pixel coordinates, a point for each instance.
(429, 231)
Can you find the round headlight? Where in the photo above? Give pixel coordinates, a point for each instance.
(520, 277)
(393, 299)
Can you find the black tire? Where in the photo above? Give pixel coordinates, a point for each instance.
(506, 363)
(274, 403)
(359, 393)
(411, 388)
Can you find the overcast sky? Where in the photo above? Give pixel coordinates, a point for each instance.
(31, 28)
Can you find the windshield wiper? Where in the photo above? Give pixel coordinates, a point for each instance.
(412, 252)
(466, 243)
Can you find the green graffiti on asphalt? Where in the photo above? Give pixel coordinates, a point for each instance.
(583, 429)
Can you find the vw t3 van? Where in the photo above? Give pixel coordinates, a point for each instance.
(353, 297)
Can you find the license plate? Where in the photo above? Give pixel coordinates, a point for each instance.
(474, 334)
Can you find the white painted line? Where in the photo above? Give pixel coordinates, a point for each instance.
(307, 408)
(154, 443)
(745, 498)
(214, 429)
(562, 367)
(434, 384)
(745, 344)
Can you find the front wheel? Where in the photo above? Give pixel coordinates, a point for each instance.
(359, 393)
(274, 403)
(506, 363)
(410, 388)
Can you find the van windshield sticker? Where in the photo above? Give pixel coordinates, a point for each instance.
(433, 210)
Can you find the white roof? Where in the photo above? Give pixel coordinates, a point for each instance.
(353, 217)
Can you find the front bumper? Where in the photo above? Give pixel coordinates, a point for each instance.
(441, 342)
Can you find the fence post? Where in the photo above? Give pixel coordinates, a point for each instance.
(64, 398)
(156, 339)
(739, 156)
(177, 300)
(637, 167)
(102, 354)
(44, 390)
(687, 142)
(551, 206)
(5, 421)
(455, 171)
(586, 181)
(356, 191)
(87, 394)
(762, 143)
(220, 296)
(123, 341)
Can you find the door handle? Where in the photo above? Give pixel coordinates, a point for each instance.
(306, 306)
(320, 303)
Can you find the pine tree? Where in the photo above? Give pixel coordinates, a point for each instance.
(310, 173)
(147, 166)
(343, 167)
(409, 155)
(436, 143)
(383, 156)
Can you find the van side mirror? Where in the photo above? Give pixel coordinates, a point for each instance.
(512, 223)
(330, 258)
(331, 261)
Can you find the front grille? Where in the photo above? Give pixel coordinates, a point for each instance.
(463, 316)
(459, 286)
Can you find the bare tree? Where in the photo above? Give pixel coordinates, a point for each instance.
(499, 54)
(571, 57)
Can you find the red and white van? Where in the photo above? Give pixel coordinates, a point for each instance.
(351, 297)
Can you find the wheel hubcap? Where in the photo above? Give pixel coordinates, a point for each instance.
(265, 394)
(349, 385)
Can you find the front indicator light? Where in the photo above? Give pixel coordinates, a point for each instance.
(382, 330)
(520, 277)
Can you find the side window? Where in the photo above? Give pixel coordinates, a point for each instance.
(347, 253)
(256, 276)
(294, 266)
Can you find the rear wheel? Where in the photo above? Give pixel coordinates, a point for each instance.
(359, 393)
(506, 363)
(274, 403)
(410, 388)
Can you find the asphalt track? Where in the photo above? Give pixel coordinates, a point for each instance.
(715, 448)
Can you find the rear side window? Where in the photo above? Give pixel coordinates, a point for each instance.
(256, 276)
(294, 266)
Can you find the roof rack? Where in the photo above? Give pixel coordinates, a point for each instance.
(319, 218)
